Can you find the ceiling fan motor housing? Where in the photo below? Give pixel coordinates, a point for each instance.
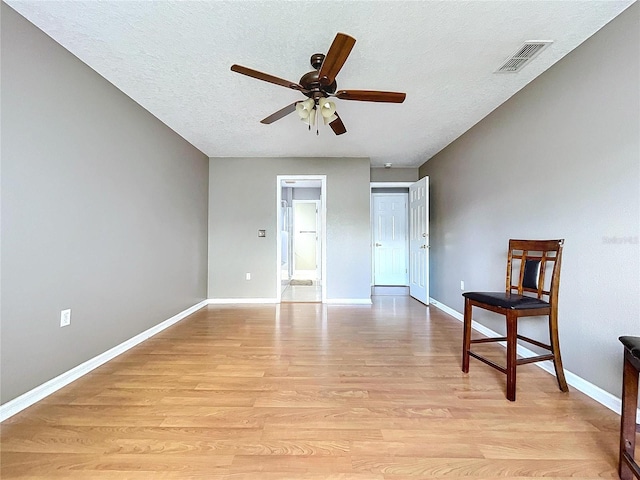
(311, 81)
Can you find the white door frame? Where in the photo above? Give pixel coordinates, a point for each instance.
(323, 231)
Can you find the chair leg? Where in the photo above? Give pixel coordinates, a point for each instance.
(628, 418)
(512, 339)
(466, 338)
(555, 349)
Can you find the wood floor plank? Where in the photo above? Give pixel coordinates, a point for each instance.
(423, 467)
(309, 392)
(42, 464)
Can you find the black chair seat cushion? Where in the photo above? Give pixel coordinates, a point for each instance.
(633, 344)
(511, 301)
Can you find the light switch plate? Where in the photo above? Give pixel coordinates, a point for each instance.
(262, 233)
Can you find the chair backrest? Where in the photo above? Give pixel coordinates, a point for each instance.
(528, 264)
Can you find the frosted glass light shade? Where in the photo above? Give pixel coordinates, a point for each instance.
(304, 108)
(327, 108)
(311, 118)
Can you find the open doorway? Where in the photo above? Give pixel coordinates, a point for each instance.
(301, 239)
(400, 238)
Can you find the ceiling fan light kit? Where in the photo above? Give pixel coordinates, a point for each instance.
(327, 110)
(304, 108)
(310, 119)
(320, 84)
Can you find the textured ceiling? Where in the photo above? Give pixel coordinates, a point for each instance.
(174, 59)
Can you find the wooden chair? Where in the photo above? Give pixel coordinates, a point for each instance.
(528, 262)
(627, 466)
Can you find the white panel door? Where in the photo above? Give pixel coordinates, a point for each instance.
(419, 240)
(305, 238)
(390, 262)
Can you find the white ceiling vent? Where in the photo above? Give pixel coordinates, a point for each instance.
(523, 55)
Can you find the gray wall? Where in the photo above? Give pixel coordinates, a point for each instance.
(561, 159)
(104, 211)
(306, 193)
(235, 249)
(393, 174)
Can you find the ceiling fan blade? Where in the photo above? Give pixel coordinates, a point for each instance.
(337, 126)
(249, 72)
(283, 112)
(371, 96)
(336, 56)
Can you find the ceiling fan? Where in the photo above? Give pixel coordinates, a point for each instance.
(320, 84)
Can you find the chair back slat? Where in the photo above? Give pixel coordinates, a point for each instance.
(523, 260)
(543, 270)
(531, 258)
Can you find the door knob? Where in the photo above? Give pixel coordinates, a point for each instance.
(378, 244)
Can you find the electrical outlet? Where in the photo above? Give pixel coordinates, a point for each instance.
(247, 276)
(65, 317)
(461, 284)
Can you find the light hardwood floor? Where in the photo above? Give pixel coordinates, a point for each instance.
(302, 294)
(306, 391)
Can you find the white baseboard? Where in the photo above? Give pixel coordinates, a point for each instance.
(329, 301)
(32, 396)
(598, 394)
(225, 301)
(349, 301)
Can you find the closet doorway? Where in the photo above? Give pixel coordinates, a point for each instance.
(301, 258)
(400, 237)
